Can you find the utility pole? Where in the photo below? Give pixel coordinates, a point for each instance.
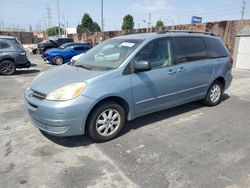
(242, 13)
(102, 22)
(149, 19)
(58, 11)
(49, 16)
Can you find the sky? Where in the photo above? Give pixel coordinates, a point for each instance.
(34, 13)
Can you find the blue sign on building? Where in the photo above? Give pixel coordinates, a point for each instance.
(196, 19)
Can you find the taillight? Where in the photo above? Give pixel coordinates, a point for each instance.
(231, 60)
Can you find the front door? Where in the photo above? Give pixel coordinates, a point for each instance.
(154, 90)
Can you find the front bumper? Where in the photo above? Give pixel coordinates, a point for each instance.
(65, 118)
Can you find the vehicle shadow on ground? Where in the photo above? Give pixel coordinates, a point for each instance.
(76, 141)
(165, 114)
(27, 71)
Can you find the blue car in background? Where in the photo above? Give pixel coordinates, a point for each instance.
(64, 53)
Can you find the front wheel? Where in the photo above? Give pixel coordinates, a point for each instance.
(58, 60)
(106, 121)
(214, 94)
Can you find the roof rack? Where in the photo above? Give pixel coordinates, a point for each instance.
(185, 31)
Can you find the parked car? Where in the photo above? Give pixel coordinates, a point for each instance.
(48, 44)
(62, 47)
(127, 77)
(12, 56)
(62, 55)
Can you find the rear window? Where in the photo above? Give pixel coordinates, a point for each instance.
(189, 49)
(216, 48)
(4, 45)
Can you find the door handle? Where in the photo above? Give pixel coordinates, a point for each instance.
(171, 72)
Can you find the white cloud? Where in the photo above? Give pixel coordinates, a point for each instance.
(154, 6)
(159, 9)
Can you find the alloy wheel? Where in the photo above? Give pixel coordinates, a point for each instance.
(7, 68)
(108, 122)
(215, 93)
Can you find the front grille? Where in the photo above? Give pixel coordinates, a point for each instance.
(38, 95)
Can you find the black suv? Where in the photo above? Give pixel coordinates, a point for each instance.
(12, 56)
(48, 44)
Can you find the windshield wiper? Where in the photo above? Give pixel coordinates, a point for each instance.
(82, 66)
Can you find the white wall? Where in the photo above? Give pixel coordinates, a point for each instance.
(242, 60)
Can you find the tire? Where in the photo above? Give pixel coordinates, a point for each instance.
(7, 67)
(35, 51)
(214, 94)
(58, 60)
(110, 127)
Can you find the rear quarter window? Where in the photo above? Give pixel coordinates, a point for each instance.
(189, 49)
(216, 48)
(4, 45)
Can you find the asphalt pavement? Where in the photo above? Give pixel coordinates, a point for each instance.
(187, 146)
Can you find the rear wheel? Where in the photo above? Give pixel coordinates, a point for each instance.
(106, 121)
(7, 67)
(58, 60)
(214, 94)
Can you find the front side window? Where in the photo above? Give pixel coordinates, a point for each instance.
(157, 53)
(109, 54)
(189, 49)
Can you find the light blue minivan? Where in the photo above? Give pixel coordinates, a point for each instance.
(127, 77)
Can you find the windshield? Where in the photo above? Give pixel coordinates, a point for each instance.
(109, 54)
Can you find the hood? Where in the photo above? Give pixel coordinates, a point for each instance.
(58, 77)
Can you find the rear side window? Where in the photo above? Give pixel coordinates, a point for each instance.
(4, 45)
(79, 48)
(216, 48)
(189, 49)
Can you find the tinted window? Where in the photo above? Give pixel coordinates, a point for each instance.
(157, 53)
(4, 45)
(189, 49)
(216, 48)
(79, 48)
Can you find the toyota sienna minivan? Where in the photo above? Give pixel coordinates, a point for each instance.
(127, 77)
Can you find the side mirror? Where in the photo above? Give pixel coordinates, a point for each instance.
(142, 66)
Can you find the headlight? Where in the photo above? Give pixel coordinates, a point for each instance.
(67, 92)
(23, 53)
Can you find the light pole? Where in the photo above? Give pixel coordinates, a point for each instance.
(102, 24)
(58, 12)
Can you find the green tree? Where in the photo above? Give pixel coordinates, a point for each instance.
(96, 27)
(159, 23)
(53, 31)
(128, 22)
(88, 25)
